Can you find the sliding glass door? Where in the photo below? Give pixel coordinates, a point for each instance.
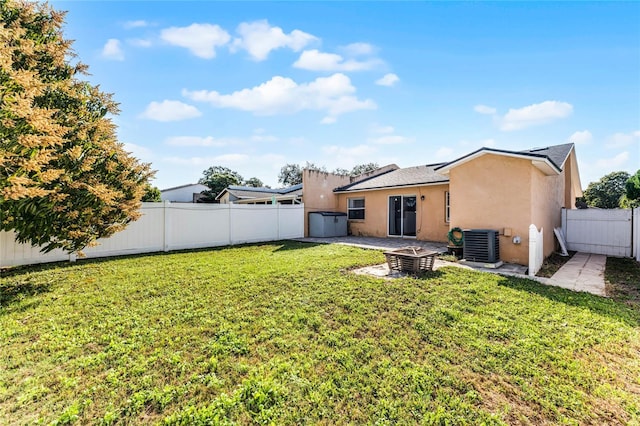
(402, 216)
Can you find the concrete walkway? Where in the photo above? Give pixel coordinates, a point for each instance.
(583, 272)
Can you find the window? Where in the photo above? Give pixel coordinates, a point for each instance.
(446, 206)
(355, 208)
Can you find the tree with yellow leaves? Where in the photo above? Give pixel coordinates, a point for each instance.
(64, 178)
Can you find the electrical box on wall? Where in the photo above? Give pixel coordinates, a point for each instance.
(506, 232)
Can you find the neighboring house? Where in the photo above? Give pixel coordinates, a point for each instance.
(486, 189)
(252, 195)
(189, 193)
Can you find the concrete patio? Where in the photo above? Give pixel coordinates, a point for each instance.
(583, 272)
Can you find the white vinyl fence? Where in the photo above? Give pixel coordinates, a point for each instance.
(612, 232)
(536, 249)
(166, 226)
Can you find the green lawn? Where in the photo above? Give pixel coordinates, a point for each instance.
(283, 333)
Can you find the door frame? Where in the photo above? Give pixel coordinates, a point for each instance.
(402, 197)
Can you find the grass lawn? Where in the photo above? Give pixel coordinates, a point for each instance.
(282, 333)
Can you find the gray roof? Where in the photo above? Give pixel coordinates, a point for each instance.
(410, 176)
(557, 154)
(428, 174)
(245, 192)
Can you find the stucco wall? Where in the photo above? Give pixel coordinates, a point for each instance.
(494, 192)
(317, 193)
(547, 199)
(430, 220)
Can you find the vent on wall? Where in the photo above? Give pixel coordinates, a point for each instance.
(481, 245)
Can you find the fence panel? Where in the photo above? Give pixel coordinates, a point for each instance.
(167, 226)
(599, 231)
(142, 236)
(196, 226)
(290, 222)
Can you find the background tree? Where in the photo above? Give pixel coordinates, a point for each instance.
(341, 172)
(254, 182)
(64, 178)
(631, 198)
(607, 192)
(364, 168)
(218, 178)
(151, 194)
(291, 174)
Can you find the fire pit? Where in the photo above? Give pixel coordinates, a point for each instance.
(411, 259)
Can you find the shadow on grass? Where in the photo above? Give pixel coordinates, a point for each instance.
(294, 245)
(26, 269)
(596, 304)
(18, 291)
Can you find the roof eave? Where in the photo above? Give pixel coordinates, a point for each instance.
(379, 188)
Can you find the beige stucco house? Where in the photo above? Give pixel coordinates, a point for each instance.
(486, 189)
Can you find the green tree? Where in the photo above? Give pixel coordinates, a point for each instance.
(364, 168)
(254, 182)
(607, 192)
(218, 178)
(64, 178)
(151, 194)
(631, 198)
(291, 174)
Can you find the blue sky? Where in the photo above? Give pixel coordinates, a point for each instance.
(256, 85)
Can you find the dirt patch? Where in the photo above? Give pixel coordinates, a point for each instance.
(552, 263)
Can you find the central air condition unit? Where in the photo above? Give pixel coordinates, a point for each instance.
(481, 245)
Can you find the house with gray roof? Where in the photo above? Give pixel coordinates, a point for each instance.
(495, 189)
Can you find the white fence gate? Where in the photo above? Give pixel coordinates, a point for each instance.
(166, 226)
(536, 249)
(602, 231)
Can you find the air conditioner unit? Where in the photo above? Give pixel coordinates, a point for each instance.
(481, 245)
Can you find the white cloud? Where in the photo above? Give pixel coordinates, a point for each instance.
(138, 151)
(281, 95)
(581, 137)
(260, 135)
(201, 39)
(136, 24)
(139, 42)
(358, 49)
(483, 109)
(376, 128)
(225, 159)
(170, 111)
(444, 153)
(197, 141)
(328, 120)
(621, 140)
(535, 114)
(388, 80)
(614, 162)
(390, 140)
(112, 50)
(314, 60)
(259, 39)
(359, 151)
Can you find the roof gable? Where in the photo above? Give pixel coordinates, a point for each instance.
(550, 160)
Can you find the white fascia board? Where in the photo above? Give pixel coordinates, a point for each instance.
(380, 188)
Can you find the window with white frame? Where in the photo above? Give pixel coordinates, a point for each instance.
(446, 206)
(355, 208)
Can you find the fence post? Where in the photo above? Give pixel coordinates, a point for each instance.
(165, 233)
